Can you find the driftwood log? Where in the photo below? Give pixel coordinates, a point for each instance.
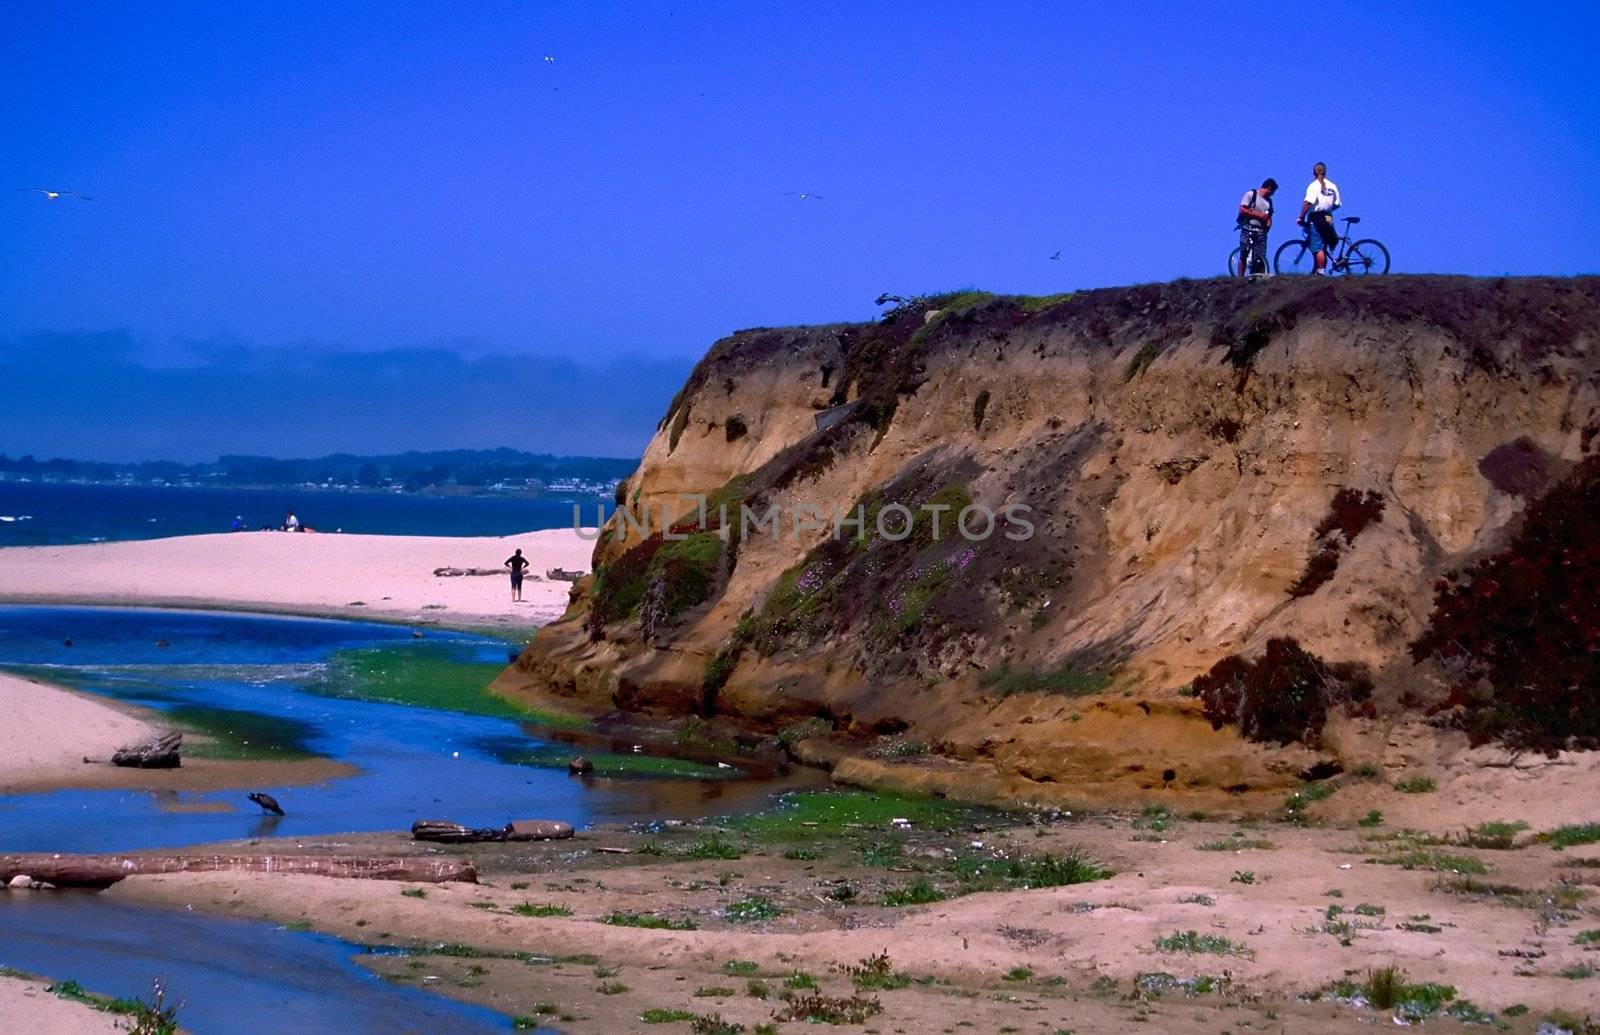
(100, 871)
(452, 573)
(161, 753)
(446, 832)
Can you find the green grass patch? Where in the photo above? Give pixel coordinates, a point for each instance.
(917, 893)
(1574, 834)
(741, 968)
(1048, 870)
(620, 919)
(661, 1015)
(1433, 859)
(712, 848)
(814, 816)
(1500, 835)
(1415, 785)
(1065, 680)
(549, 909)
(1192, 942)
(752, 910)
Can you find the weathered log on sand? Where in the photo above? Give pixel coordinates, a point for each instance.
(446, 832)
(100, 871)
(161, 753)
(538, 830)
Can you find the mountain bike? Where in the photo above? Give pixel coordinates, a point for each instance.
(1348, 257)
(1233, 266)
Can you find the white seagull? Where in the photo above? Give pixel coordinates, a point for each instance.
(801, 196)
(53, 195)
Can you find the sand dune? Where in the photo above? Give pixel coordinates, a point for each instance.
(348, 575)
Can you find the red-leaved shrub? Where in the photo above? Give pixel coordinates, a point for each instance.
(1522, 628)
(1282, 696)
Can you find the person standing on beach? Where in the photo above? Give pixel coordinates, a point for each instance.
(517, 563)
(290, 522)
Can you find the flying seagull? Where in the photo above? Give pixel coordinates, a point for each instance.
(267, 802)
(549, 59)
(1056, 256)
(54, 195)
(801, 196)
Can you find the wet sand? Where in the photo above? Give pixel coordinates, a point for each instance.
(348, 576)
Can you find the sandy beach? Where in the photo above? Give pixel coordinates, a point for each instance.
(48, 730)
(54, 738)
(351, 576)
(26, 1006)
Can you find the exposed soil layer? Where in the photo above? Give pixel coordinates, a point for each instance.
(1208, 466)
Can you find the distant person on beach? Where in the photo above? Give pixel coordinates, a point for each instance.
(290, 522)
(1255, 219)
(518, 564)
(238, 523)
(1316, 214)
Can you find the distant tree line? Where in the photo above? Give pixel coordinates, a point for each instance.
(412, 471)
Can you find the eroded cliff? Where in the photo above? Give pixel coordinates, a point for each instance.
(1207, 467)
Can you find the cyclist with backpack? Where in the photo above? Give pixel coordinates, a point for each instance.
(1322, 198)
(1255, 219)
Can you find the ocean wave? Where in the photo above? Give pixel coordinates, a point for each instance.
(15, 517)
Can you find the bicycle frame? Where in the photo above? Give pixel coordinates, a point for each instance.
(1337, 255)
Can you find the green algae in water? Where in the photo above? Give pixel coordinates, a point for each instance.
(249, 736)
(617, 765)
(427, 676)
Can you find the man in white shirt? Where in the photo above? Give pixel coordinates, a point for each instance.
(1322, 198)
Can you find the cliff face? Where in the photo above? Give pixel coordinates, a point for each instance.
(1207, 465)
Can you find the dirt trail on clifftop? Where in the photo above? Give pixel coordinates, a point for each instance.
(1209, 466)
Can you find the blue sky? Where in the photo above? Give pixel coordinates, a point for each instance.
(278, 185)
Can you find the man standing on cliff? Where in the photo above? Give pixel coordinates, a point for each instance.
(1322, 198)
(1255, 219)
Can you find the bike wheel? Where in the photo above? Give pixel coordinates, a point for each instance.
(1366, 256)
(1293, 257)
(1233, 263)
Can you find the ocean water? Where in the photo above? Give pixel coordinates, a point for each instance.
(40, 514)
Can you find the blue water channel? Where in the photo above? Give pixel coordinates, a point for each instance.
(412, 763)
(238, 977)
(415, 763)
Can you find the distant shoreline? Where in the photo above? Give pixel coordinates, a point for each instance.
(439, 492)
(384, 578)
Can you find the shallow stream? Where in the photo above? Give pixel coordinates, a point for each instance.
(278, 688)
